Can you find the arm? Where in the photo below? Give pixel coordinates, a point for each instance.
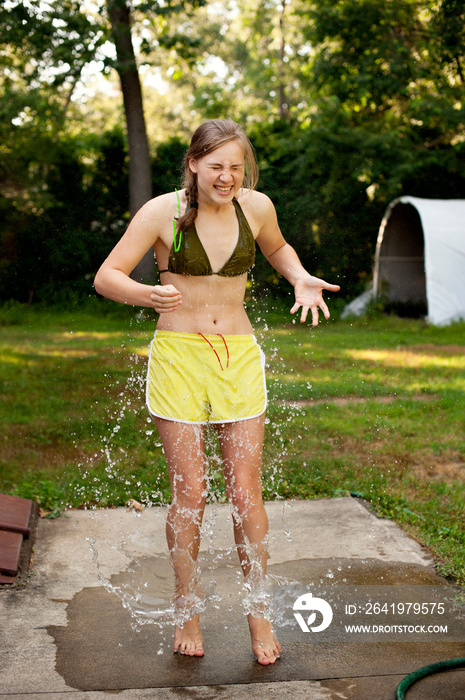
(112, 279)
(308, 290)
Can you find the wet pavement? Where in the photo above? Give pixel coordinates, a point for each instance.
(72, 631)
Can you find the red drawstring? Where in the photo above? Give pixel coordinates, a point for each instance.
(217, 356)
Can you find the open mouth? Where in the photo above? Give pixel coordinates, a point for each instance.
(223, 190)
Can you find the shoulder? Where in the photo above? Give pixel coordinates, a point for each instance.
(261, 215)
(155, 218)
(257, 207)
(254, 198)
(161, 206)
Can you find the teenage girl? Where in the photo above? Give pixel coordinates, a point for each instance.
(205, 365)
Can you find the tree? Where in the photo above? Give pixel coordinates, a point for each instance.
(448, 34)
(45, 47)
(383, 116)
(41, 57)
(259, 51)
(140, 182)
(349, 103)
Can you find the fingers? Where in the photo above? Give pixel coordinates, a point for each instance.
(331, 287)
(303, 315)
(325, 309)
(295, 307)
(314, 310)
(165, 298)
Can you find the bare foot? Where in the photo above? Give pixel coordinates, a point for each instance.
(188, 638)
(265, 644)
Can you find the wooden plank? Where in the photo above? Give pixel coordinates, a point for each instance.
(15, 513)
(10, 549)
(25, 531)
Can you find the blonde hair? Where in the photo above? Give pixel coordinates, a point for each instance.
(207, 138)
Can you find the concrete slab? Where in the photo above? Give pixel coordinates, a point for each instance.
(72, 628)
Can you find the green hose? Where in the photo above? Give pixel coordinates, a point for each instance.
(426, 671)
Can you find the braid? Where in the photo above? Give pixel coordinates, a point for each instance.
(190, 215)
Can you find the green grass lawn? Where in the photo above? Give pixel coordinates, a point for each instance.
(373, 408)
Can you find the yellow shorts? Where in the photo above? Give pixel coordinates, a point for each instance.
(194, 378)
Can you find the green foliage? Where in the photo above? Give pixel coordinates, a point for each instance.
(43, 49)
(50, 496)
(320, 178)
(366, 49)
(77, 211)
(448, 35)
(54, 241)
(349, 104)
(166, 166)
(323, 209)
(386, 119)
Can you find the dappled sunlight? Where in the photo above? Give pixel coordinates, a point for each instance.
(86, 344)
(279, 332)
(66, 352)
(17, 360)
(353, 400)
(291, 378)
(90, 335)
(30, 356)
(297, 333)
(410, 358)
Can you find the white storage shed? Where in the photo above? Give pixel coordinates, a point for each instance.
(420, 256)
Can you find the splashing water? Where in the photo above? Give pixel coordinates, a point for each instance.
(145, 588)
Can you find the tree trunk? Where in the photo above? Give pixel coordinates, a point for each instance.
(140, 180)
(283, 106)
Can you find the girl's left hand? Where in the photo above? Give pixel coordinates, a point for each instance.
(308, 293)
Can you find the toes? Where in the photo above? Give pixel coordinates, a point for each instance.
(189, 648)
(198, 650)
(188, 640)
(267, 656)
(266, 659)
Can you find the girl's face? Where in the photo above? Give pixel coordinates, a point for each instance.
(219, 173)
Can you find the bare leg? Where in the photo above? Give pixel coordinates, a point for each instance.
(241, 448)
(183, 446)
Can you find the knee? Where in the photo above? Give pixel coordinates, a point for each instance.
(190, 502)
(245, 493)
(246, 505)
(182, 518)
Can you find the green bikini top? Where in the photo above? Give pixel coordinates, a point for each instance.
(191, 258)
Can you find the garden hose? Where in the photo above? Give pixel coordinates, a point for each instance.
(427, 671)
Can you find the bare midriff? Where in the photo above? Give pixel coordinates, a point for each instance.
(210, 304)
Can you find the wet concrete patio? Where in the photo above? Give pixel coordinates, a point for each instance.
(70, 631)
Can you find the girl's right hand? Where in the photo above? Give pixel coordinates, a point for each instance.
(165, 298)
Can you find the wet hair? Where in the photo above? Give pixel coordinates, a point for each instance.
(207, 138)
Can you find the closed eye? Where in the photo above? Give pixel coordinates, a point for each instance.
(237, 166)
